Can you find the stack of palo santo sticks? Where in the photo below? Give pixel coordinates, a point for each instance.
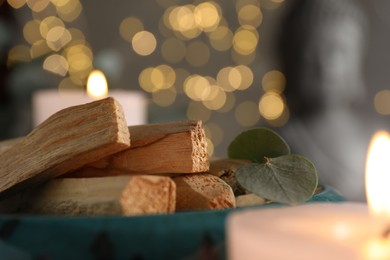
(85, 160)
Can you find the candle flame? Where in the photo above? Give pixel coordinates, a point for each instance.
(378, 175)
(97, 84)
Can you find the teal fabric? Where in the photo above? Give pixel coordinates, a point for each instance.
(186, 235)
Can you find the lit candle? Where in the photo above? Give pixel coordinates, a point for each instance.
(47, 102)
(378, 194)
(321, 230)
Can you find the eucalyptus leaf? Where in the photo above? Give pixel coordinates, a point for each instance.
(255, 144)
(289, 179)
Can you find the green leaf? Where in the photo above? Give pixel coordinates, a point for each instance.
(290, 179)
(255, 144)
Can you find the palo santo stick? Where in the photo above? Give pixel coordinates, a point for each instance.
(164, 148)
(202, 192)
(249, 200)
(66, 141)
(117, 195)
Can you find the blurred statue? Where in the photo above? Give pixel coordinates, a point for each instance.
(322, 50)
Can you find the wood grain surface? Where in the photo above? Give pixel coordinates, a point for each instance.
(67, 140)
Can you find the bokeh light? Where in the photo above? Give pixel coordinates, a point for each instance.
(153, 79)
(281, 120)
(144, 80)
(31, 32)
(197, 87)
(229, 103)
(234, 78)
(49, 23)
(69, 10)
(79, 57)
(129, 27)
(210, 146)
(189, 21)
(173, 50)
(60, 2)
(231, 78)
(216, 98)
(198, 54)
(245, 40)
(214, 132)
(39, 48)
(37, 5)
(223, 79)
(207, 15)
(246, 75)
(271, 105)
(382, 102)
(181, 18)
(164, 97)
(274, 80)
(250, 15)
(18, 53)
(69, 84)
(77, 36)
(241, 3)
(50, 10)
(221, 39)
(57, 38)
(165, 76)
(144, 43)
(247, 113)
(16, 3)
(56, 64)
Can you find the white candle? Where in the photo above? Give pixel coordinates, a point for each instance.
(47, 102)
(328, 231)
(319, 231)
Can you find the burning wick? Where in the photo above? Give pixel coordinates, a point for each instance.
(97, 85)
(386, 232)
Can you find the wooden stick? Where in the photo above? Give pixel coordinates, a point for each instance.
(166, 148)
(249, 200)
(66, 141)
(202, 192)
(118, 195)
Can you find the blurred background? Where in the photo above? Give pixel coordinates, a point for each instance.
(316, 71)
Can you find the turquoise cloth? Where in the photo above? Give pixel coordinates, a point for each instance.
(186, 235)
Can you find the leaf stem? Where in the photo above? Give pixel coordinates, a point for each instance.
(266, 160)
